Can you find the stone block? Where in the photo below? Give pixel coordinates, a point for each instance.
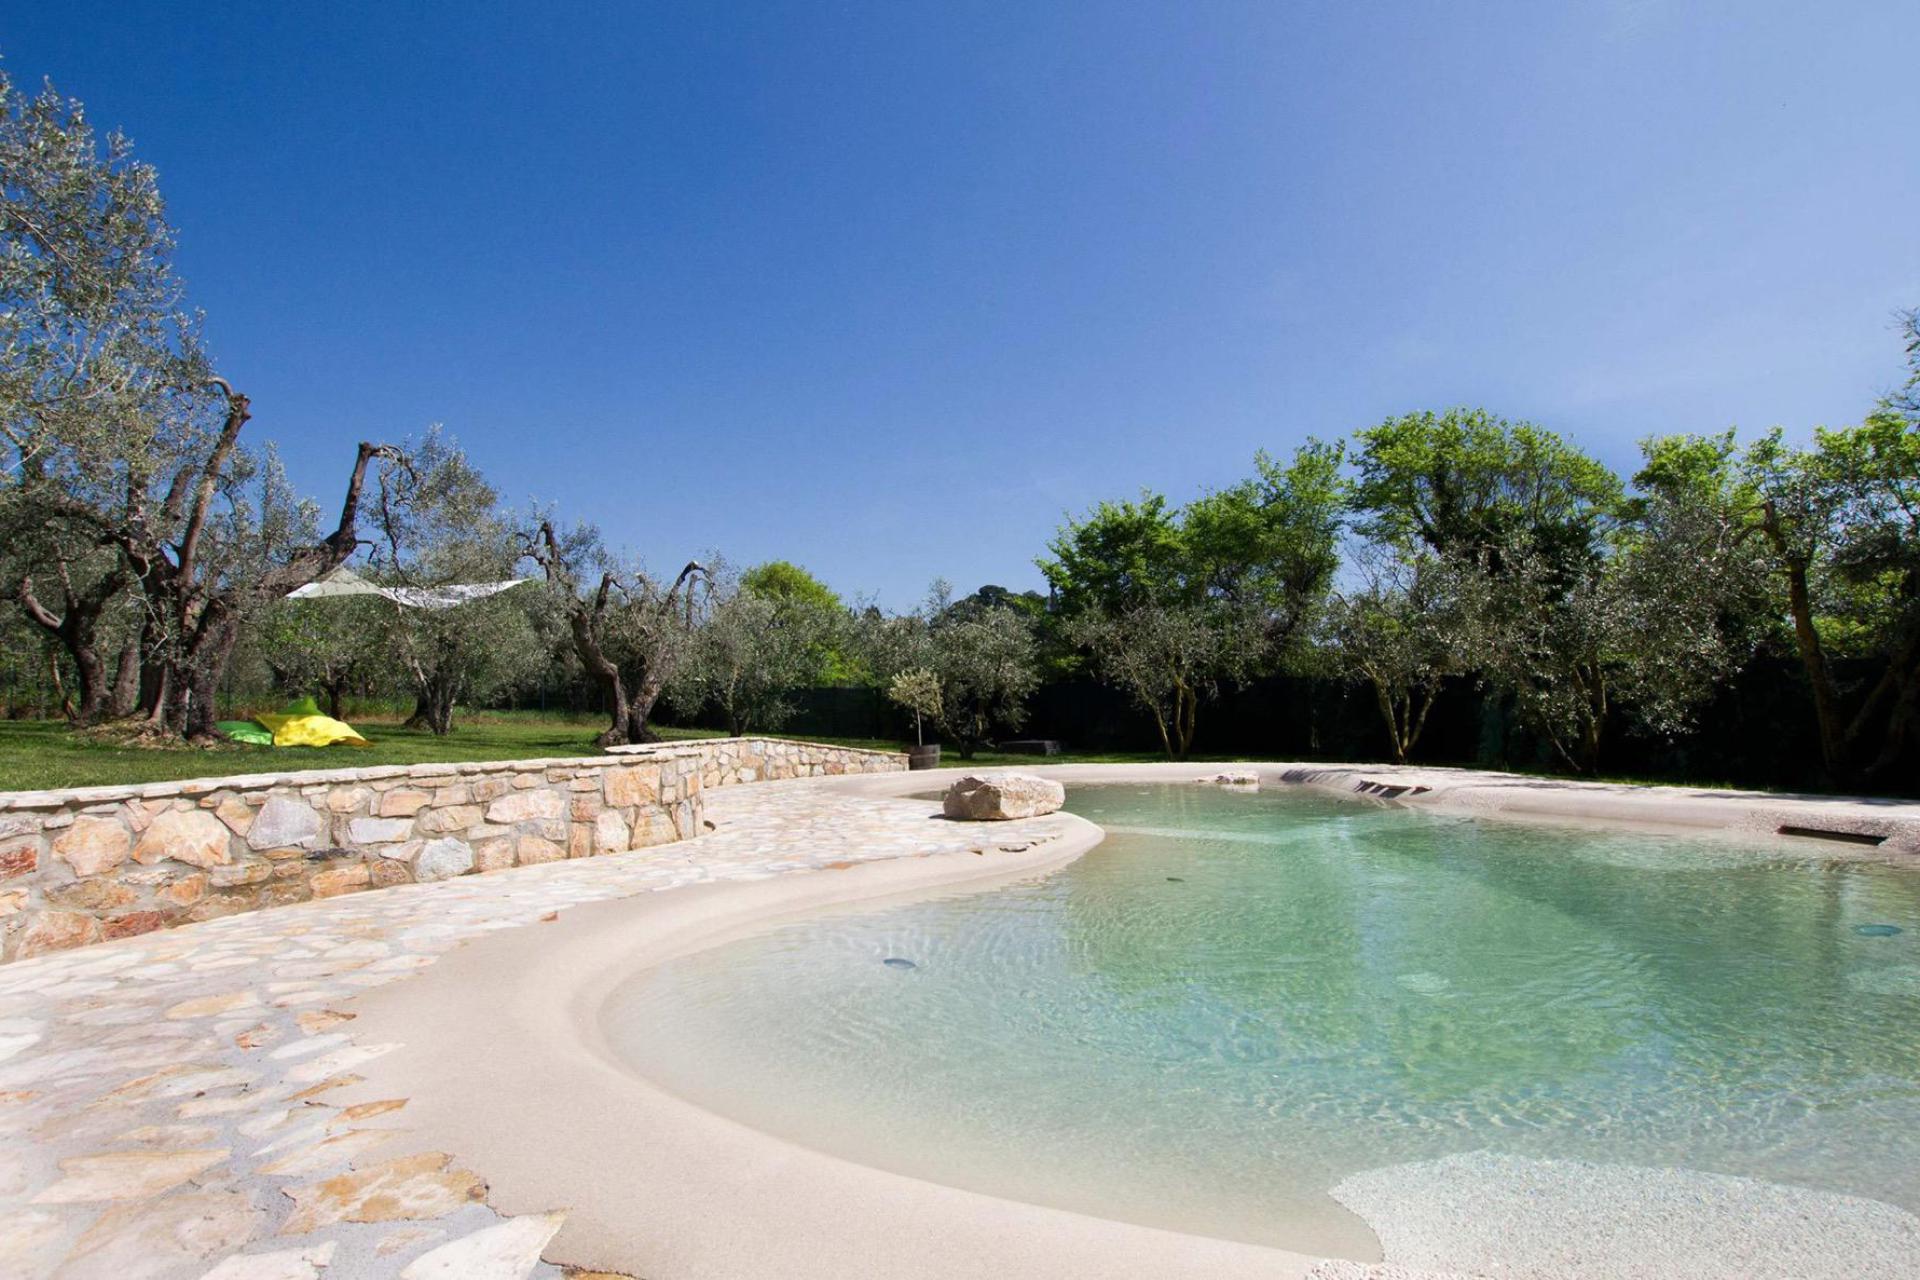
(610, 834)
(183, 892)
(442, 859)
(284, 822)
(185, 835)
(453, 818)
(339, 880)
(57, 931)
(231, 810)
(136, 815)
(525, 806)
(652, 827)
(629, 785)
(92, 895)
(93, 845)
(378, 830)
(237, 874)
(531, 849)
(134, 922)
(493, 854)
(386, 872)
(348, 800)
(403, 804)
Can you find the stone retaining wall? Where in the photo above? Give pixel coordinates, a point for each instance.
(97, 863)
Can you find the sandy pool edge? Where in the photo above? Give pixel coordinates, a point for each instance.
(655, 1186)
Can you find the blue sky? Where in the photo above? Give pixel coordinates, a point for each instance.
(888, 288)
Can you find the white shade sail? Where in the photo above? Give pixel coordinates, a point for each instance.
(345, 582)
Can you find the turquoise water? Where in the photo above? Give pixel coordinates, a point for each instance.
(1239, 999)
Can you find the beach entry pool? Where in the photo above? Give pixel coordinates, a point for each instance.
(1265, 1016)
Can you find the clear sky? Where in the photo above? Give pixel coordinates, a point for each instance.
(887, 288)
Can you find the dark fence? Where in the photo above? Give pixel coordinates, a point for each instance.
(1758, 731)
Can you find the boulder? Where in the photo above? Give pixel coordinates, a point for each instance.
(1233, 778)
(997, 797)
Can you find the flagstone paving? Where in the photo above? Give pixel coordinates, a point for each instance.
(165, 1100)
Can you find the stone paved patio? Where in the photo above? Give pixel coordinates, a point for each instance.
(166, 1102)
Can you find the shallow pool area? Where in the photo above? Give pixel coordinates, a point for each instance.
(1241, 1002)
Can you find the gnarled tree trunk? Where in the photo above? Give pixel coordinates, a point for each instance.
(197, 623)
(77, 628)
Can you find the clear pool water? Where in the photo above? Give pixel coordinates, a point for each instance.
(1239, 999)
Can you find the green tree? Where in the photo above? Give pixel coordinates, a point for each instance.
(916, 690)
(1465, 482)
(117, 431)
(331, 646)
(984, 658)
(834, 658)
(628, 630)
(757, 643)
(785, 581)
(1403, 631)
(442, 533)
(1837, 524)
(1170, 603)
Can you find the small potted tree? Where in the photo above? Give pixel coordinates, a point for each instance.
(918, 690)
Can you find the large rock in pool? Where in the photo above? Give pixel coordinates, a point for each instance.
(996, 797)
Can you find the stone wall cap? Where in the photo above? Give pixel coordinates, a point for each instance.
(672, 751)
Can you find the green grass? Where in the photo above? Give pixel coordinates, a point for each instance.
(37, 755)
(40, 755)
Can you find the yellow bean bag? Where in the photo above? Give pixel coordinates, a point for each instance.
(302, 725)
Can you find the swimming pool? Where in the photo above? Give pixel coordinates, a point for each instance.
(1239, 1002)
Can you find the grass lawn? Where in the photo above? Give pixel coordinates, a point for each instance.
(38, 755)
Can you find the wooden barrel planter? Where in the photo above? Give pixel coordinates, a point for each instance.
(924, 757)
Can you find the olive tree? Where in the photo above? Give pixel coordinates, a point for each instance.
(331, 646)
(1577, 603)
(917, 690)
(117, 430)
(1402, 631)
(984, 658)
(752, 649)
(1836, 526)
(1170, 604)
(1647, 627)
(1170, 657)
(442, 539)
(629, 630)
